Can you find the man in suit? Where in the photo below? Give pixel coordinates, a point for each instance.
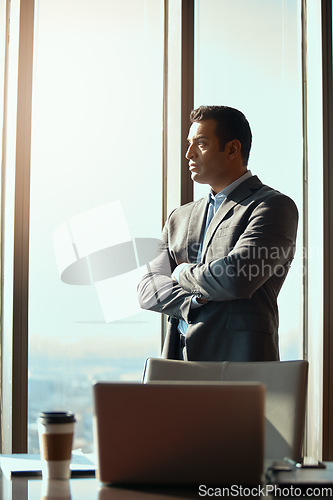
(224, 258)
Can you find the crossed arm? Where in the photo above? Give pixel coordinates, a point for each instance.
(265, 248)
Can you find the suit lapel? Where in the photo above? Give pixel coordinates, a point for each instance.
(243, 191)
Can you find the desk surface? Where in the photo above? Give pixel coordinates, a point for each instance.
(84, 489)
(21, 488)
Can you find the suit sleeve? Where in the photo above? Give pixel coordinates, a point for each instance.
(265, 248)
(157, 291)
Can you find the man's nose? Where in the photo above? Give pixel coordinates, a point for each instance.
(190, 153)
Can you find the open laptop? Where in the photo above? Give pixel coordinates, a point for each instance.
(185, 433)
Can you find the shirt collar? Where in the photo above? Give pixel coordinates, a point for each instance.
(227, 190)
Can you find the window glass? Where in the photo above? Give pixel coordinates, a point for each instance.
(248, 56)
(95, 199)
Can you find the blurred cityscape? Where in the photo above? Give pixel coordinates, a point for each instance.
(60, 384)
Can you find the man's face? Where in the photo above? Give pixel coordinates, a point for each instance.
(207, 164)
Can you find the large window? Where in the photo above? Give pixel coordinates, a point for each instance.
(85, 194)
(254, 65)
(263, 57)
(95, 198)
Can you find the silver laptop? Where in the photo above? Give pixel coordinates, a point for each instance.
(186, 433)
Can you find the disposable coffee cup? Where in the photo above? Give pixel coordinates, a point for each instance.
(55, 431)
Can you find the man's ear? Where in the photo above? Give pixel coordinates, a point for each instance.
(234, 148)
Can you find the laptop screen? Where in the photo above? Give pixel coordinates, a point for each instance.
(179, 433)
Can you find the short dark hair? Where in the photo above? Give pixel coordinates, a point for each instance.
(231, 124)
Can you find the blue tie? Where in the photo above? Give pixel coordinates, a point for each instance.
(210, 215)
(182, 325)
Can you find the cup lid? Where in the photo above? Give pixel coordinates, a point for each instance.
(56, 417)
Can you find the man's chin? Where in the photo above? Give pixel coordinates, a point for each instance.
(197, 178)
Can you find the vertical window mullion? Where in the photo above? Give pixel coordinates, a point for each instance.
(178, 98)
(328, 234)
(18, 371)
(187, 92)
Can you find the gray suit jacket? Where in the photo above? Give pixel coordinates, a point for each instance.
(246, 255)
